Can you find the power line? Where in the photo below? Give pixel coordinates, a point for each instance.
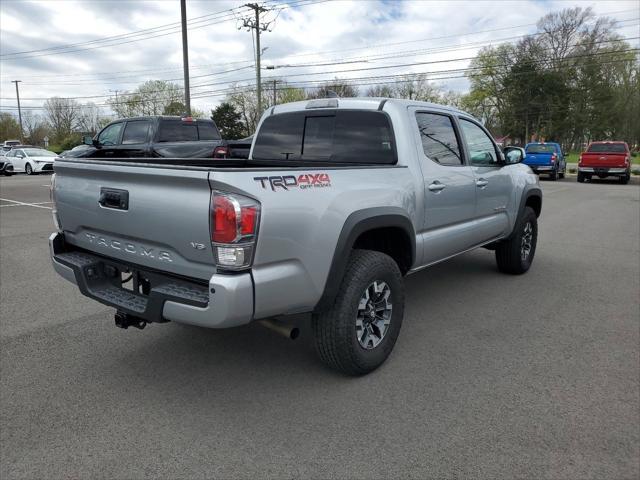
(114, 42)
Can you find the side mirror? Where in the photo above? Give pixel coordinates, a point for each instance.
(513, 155)
(87, 140)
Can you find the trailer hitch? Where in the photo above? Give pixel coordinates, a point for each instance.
(124, 320)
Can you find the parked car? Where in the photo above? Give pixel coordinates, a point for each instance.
(234, 148)
(546, 157)
(159, 136)
(31, 160)
(6, 167)
(340, 199)
(605, 159)
(7, 145)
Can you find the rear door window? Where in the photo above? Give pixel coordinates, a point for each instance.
(342, 136)
(136, 132)
(187, 131)
(439, 141)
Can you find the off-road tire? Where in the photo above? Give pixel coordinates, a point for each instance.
(509, 256)
(335, 328)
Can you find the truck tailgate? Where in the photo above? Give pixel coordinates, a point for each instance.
(603, 159)
(538, 159)
(152, 216)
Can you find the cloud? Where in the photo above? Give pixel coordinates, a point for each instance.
(316, 33)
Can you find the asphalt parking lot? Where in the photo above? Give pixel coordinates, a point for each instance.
(535, 376)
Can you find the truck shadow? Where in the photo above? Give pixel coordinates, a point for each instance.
(187, 354)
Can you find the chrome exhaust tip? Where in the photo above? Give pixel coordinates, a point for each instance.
(283, 329)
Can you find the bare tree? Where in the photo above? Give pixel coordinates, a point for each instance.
(35, 128)
(89, 119)
(62, 115)
(154, 97)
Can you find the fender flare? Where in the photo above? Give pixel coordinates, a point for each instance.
(355, 225)
(531, 192)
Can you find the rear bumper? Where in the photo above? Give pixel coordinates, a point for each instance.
(542, 168)
(227, 300)
(603, 170)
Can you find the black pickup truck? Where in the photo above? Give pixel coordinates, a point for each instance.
(158, 136)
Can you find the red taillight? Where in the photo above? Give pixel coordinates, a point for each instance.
(248, 220)
(225, 225)
(554, 157)
(220, 152)
(235, 220)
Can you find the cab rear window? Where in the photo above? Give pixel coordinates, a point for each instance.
(607, 148)
(337, 136)
(541, 149)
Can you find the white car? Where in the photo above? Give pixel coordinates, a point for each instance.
(31, 160)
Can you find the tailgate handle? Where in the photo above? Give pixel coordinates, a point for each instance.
(114, 198)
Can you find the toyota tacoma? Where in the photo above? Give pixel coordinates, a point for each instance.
(338, 200)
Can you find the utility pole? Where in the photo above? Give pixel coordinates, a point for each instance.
(254, 24)
(274, 92)
(19, 110)
(185, 56)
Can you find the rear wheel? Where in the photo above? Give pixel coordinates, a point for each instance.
(580, 177)
(515, 255)
(28, 169)
(553, 176)
(625, 179)
(357, 333)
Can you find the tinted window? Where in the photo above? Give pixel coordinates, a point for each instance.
(135, 132)
(439, 140)
(541, 148)
(208, 131)
(184, 131)
(111, 134)
(607, 148)
(482, 151)
(342, 136)
(318, 136)
(177, 131)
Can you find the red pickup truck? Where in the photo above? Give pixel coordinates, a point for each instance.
(605, 159)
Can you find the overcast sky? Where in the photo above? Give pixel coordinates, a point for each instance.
(67, 53)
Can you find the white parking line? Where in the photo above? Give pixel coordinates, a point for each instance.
(24, 204)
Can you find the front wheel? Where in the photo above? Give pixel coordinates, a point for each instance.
(515, 255)
(357, 333)
(28, 169)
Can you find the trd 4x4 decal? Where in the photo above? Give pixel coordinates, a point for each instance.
(304, 181)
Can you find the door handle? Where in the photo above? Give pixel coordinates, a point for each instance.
(436, 187)
(481, 182)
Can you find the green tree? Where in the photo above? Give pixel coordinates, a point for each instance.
(9, 127)
(229, 121)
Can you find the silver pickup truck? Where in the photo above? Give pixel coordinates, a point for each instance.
(339, 199)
